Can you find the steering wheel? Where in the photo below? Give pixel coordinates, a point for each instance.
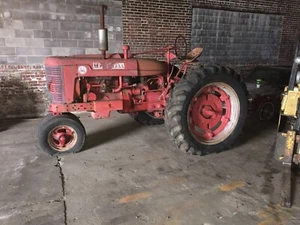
(180, 47)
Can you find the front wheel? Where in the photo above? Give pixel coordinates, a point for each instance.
(207, 110)
(61, 134)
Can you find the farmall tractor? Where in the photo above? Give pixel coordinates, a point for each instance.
(204, 109)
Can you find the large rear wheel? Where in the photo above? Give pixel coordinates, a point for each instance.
(207, 110)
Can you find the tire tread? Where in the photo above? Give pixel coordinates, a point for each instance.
(174, 109)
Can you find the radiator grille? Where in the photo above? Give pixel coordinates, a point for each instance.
(55, 83)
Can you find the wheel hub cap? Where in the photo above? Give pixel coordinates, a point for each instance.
(210, 112)
(62, 138)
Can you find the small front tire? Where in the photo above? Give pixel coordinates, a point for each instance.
(61, 135)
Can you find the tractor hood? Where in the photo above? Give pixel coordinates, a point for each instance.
(76, 59)
(114, 64)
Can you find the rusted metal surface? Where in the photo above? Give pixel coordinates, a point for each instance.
(287, 172)
(289, 147)
(102, 8)
(102, 33)
(290, 108)
(195, 53)
(286, 200)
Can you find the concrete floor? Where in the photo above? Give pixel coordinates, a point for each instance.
(131, 174)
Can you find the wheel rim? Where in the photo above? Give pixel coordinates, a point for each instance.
(62, 138)
(213, 113)
(267, 111)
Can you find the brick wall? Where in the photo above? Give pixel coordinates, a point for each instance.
(31, 30)
(149, 25)
(22, 91)
(156, 23)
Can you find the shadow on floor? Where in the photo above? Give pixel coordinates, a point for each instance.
(109, 134)
(19, 100)
(254, 128)
(8, 123)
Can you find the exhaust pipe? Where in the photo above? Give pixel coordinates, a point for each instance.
(102, 33)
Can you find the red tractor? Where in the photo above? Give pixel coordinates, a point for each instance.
(204, 109)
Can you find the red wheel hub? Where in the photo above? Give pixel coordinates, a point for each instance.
(62, 138)
(209, 113)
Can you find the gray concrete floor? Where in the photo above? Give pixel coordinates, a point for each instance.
(132, 174)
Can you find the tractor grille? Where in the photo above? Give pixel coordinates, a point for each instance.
(55, 83)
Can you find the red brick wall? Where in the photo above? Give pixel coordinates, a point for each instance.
(148, 25)
(22, 91)
(153, 24)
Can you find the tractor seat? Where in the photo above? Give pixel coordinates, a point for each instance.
(193, 54)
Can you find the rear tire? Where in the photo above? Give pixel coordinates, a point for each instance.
(146, 119)
(207, 110)
(61, 134)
